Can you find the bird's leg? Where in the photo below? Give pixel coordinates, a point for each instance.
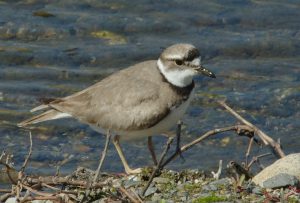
(103, 155)
(152, 151)
(128, 170)
(178, 136)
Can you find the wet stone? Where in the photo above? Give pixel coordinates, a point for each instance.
(130, 183)
(150, 191)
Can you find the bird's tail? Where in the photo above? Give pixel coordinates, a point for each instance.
(48, 115)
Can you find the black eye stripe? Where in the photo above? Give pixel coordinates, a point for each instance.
(192, 54)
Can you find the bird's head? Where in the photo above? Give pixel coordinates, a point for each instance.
(179, 63)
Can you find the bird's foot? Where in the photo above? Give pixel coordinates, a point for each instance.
(133, 171)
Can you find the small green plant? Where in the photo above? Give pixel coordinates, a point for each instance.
(212, 198)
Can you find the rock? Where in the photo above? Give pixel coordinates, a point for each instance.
(213, 186)
(150, 191)
(131, 182)
(257, 190)
(116, 183)
(156, 197)
(184, 199)
(210, 187)
(13, 200)
(281, 180)
(223, 181)
(289, 164)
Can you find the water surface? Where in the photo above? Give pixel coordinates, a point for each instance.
(56, 48)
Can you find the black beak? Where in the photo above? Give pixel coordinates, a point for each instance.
(201, 69)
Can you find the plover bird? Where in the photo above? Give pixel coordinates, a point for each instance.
(142, 100)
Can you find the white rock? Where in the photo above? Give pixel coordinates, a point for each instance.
(289, 164)
(13, 200)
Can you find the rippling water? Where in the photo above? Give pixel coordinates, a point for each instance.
(56, 48)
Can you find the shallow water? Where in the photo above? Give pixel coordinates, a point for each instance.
(58, 48)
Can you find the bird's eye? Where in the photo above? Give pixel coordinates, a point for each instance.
(179, 62)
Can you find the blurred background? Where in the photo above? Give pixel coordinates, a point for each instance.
(55, 48)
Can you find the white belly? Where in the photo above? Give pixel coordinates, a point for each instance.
(163, 126)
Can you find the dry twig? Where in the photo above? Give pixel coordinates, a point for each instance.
(103, 155)
(267, 140)
(159, 165)
(21, 172)
(130, 197)
(256, 160)
(209, 133)
(218, 173)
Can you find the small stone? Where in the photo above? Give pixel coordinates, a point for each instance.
(223, 181)
(213, 186)
(116, 183)
(280, 180)
(150, 191)
(184, 199)
(131, 180)
(11, 200)
(133, 177)
(210, 187)
(257, 190)
(156, 197)
(130, 183)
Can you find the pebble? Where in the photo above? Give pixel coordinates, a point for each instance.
(257, 190)
(210, 188)
(213, 186)
(150, 191)
(156, 197)
(223, 181)
(131, 181)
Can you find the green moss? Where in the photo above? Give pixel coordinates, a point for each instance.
(292, 200)
(192, 188)
(167, 187)
(111, 37)
(171, 176)
(212, 198)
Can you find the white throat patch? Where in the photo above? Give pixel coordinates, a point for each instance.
(180, 78)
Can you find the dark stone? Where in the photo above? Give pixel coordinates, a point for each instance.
(281, 180)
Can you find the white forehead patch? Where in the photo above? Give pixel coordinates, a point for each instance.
(196, 61)
(180, 78)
